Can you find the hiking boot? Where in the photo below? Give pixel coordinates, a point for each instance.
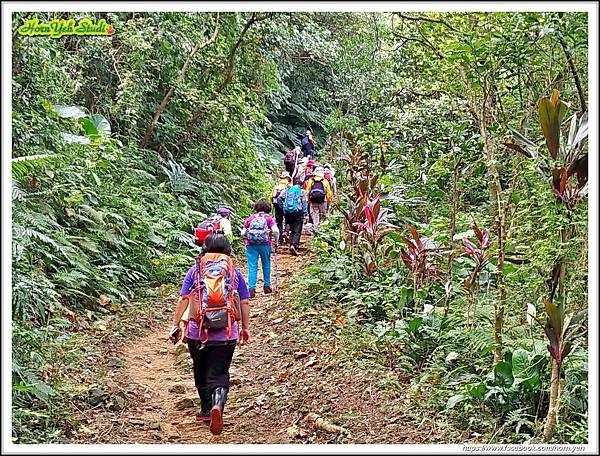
(203, 413)
(219, 396)
(293, 250)
(252, 293)
(268, 290)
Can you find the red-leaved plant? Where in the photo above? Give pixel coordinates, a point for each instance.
(478, 250)
(419, 258)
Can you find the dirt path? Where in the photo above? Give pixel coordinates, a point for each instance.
(278, 392)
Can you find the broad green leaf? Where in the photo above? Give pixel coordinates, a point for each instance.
(76, 139)
(415, 324)
(521, 365)
(503, 374)
(90, 129)
(101, 124)
(476, 390)
(69, 112)
(453, 400)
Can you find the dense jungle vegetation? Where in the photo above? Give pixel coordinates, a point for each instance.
(458, 248)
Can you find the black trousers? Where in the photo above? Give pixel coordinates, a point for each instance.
(295, 220)
(279, 218)
(289, 167)
(211, 364)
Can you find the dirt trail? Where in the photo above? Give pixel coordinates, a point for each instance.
(276, 386)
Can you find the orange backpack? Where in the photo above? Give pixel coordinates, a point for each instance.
(216, 305)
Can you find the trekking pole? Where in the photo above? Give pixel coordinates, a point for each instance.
(276, 273)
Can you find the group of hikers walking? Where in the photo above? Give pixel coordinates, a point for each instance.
(213, 303)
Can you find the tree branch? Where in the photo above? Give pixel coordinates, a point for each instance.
(167, 98)
(429, 19)
(569, 56)
(423, 41)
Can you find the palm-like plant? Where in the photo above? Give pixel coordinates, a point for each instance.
(569, 174)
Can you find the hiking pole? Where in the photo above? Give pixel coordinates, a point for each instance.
(276, 273)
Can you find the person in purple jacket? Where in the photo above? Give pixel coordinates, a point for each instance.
(212, 358)
(260, 229)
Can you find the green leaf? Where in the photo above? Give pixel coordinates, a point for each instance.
(520, 363)
(503, 374)
(76, 139)
(476, 390)
(101, 124)
(89, 127)
(69, 112)
(415, 324)
(453, 400)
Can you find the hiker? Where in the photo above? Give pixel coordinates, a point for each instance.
(211, 335)
(218, 223)
(308, 145)
(301, 169)
(285, 181)
(329, 174)
(295, 208)
(260, 230)
(319, 196)
(309, 171)
(290, 160)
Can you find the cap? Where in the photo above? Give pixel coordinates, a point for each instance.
(285, 175)
(225, 211)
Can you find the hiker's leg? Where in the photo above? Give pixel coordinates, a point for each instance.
(218, 363)
(252, 257)
(199, 360)
(323, 209)
(290, 223)
(265, 258)
(315, 215)
(295, 228)
(279, 218)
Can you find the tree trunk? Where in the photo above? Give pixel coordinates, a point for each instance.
(551, 418)
(452, 222)
(495, 205)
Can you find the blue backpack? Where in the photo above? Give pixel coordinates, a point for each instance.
(258, 230)
(293, 200)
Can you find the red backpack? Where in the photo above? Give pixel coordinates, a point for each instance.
(206, 228)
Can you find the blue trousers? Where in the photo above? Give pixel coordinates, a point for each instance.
(252, 254)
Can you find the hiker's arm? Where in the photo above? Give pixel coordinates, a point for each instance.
(245, 333)
(180, 307)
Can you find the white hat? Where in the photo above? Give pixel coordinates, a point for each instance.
(319, 171)
(285, 175)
